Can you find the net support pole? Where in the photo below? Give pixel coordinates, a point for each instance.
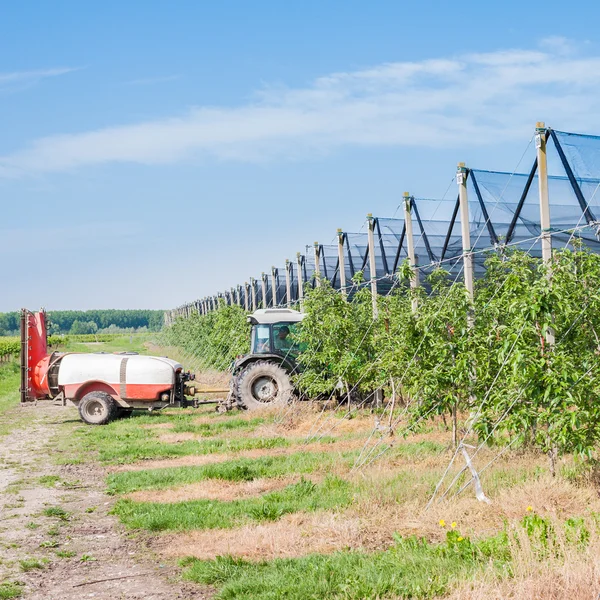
(341, 263)
(253, 293)
(372, 263)
(246, 298)
(273, 287)
(545, 237)
(461, 179)
(317, 249)
(263, 286)
(300, 281)
(410, 244)
(288, 284)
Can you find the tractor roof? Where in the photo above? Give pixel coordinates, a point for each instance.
(266, 316)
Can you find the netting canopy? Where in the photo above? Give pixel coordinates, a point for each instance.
(503, 209)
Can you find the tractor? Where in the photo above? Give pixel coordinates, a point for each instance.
(264, 376)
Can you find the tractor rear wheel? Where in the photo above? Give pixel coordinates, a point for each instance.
(97, 408)
(263, 384)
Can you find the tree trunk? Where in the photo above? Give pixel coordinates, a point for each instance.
(455, 424)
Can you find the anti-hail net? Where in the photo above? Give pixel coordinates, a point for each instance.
(503, 212)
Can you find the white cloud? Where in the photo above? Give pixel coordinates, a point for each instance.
(470, 99)
(29, 77)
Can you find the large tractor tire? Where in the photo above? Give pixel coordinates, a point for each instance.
(97, 408)
(263, 384)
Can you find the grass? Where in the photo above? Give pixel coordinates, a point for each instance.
(215, 514)
(48, 480)
(65, 553)
(9, 590)
(122, 343)
(56, 511)
(210, 429)
(28, 564)
(124, 441)
(9, 393)
(240, 469)
(412, 568)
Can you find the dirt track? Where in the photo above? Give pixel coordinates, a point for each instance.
(101, 548)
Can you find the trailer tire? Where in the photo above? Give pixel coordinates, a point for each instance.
(97, 408)
(263, 384)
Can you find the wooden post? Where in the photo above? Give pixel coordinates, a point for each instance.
(372, 263)
(263, 283)
(300, 281)
(546, 237)
(461, 180)
(253, 292)
(246, 299)
(410, 245)
(341, 263)
(317, 250)
(288, 284)
(273, 287)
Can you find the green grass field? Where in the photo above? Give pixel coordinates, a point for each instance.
(247, 504)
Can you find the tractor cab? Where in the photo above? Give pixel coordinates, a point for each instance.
(273, 332)
(264, 376)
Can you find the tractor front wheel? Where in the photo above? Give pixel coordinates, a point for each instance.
(97, 408)
(263, 384)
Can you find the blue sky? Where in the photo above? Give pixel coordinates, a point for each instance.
(152, 152)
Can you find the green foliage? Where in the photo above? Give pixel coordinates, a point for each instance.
(214, 339)
(83, 327)
(64, 321)
(501, 369)
(340, 345)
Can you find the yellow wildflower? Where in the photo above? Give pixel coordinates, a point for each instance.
(460, 538)
(453, 524)
(442, 523)
(529, 508)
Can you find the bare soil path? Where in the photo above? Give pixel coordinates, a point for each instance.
(56, 534)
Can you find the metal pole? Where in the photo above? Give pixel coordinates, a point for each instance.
(461, 180)
(300, 280)
(341, 263)
(253, 292)
(545, 236)
(410, 244)
(372, 263)
(246, 299)
(263, 283)
(317, 249)
(273, 287)
(288, 284)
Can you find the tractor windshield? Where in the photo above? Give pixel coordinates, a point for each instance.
(278, 338)
(261, 339)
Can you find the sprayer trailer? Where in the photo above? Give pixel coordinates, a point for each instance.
(102, 386)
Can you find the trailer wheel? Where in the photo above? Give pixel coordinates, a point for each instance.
(263, 384)
(97, 408)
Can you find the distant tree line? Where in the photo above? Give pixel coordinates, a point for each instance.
(89, 321)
